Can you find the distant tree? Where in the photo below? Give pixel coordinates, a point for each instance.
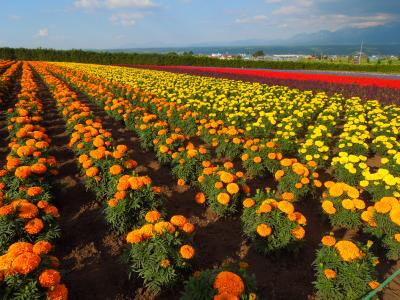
(188, 53)
(258, 53)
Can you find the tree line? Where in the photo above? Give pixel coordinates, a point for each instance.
(110, 58)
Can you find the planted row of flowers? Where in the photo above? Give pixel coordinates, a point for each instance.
(6, 79)
(221, 185)
(28, 220)
(132, 202)
(168, 127)
(144, 236)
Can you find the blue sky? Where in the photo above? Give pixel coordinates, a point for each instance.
(105, 24)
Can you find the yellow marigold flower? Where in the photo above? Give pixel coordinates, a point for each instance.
(232, 188)
(286, 207)
(348, 204)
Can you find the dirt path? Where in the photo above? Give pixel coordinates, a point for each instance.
(88, 250)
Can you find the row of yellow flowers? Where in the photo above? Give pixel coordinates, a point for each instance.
(28, 220)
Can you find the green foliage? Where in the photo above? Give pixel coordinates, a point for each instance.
(384, 231)
(167, 59)
(144, 259)
(352, 278)
(281, 236)
(127, 213)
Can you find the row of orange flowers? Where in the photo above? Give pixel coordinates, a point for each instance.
(131, 199)
(160, 268)
(6, 78)
(28, 220)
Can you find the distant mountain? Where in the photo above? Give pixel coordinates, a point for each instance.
(379, 35)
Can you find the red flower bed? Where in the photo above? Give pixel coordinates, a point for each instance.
(350, 86)
(331, 78)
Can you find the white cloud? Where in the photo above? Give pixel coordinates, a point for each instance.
(273, 1)
(111, 4)
(14, 17)
(252, 20)
(44, 32)
(126, 19)
(129, 3)
(88, 3)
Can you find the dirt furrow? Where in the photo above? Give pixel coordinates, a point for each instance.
(9, 102)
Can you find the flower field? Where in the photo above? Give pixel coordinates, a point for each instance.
(130, 183)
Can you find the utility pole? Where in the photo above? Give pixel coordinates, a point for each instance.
(359, 58)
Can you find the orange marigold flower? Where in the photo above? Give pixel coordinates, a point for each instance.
(278, 174)
(115, 170)
(134, 236)
(223, 198)
(26, 210)
(225, 296)
(230, 283)
(152, 216)
(34, 191)
(49, 278)
(188, 228)
(348, 251)
(178, 220)
(328, 240)
(23, 172)
(328, 207)
(187, 251)
(232, 188)
(228, 165)
(59, 292)
(181, 182)
(330, 274)
(373, 284)
(288, 196)
(336, 190)
(34, 226)
(286, 207)
(218, 185)
(264, 230)
(26, 263)
(122, 148)
(200, 198)
(226, 177)
(257, 159)
(42, 247)
(165, 263)
(286, 162)
(248, 202)
(38, 168)
(298, 232)
(264, 208)
(91, 172)
(163, 226)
